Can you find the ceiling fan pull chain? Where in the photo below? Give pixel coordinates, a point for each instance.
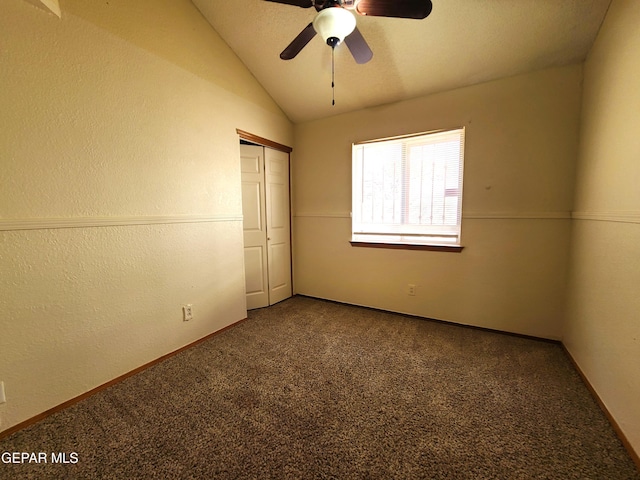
(333, 76)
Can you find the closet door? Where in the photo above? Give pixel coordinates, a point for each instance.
(267, 225)
(278, 224)
(254, 225)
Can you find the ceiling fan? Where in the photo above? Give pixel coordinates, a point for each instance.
(335, 22)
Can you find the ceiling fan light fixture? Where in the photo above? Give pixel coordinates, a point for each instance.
(334, 24)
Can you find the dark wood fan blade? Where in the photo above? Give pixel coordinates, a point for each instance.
(298, 43)
(358, 47)
(298, 3)
(395, 8)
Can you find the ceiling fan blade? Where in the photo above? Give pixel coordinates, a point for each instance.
(418, 9)
(358, 47)
(298, 43)
(298, 3)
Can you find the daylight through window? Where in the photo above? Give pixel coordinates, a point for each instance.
(408, 190)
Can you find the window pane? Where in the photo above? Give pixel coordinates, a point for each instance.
(382, 184)
(414, 190)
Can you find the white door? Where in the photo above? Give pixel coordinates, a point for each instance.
(267, 227)
(254, 225)
(278, 224)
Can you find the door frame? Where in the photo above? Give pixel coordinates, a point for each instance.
(265, 142)
(250, 137)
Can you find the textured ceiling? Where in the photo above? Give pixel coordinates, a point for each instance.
(462, 42)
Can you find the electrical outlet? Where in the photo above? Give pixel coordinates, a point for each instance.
(3, 397)
(411, 290)
(187, 313)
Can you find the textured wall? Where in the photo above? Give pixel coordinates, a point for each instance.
(603, 326)
(521, 145)
(118, 124)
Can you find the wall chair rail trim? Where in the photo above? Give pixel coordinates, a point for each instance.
(8, 225)
(467, 215)
(617, 217)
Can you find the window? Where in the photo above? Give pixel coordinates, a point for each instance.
(408, 190)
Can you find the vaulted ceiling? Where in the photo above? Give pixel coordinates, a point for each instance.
(462, 42)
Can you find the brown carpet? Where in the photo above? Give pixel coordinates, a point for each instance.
(309, 389)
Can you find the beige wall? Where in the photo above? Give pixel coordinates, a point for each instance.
(119, 125)
(521, 145)
(603, 321)
(118, 120)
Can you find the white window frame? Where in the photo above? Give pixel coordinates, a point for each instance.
(389, 210)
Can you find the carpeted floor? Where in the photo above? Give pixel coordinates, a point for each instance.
(309, 389)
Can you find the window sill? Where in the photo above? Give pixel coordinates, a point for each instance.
(409, 246)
